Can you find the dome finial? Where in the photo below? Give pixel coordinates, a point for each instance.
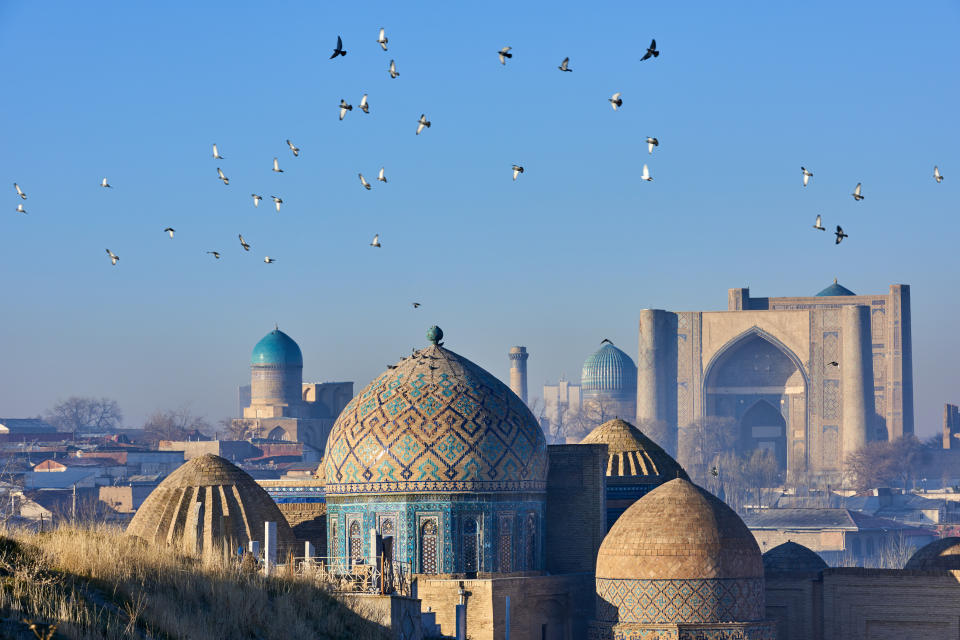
(435, 334)
(834, 281)
(276, 326)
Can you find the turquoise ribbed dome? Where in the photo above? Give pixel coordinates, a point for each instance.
(277, 348)
(836, 290)
(608, 369)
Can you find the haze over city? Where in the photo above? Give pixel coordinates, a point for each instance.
(566, 255)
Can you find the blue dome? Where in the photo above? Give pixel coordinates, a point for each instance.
(836, 290)
(609, 369)
(277, 348)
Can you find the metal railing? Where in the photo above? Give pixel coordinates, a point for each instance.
(347, 575)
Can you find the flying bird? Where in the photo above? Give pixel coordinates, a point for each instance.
(220, 175)
(344, 107)
(651, 51)
(382, 39)
(840, 234)
(564, 65)
(651, 143)
(215, 254)
(503, 54)
(269, 260)
(106, 184)
(646, 174)
(114, 258)
(216, 153)
(422, 122)
(293, 147)
(243, 243)
(24, 196)
(856, 193)
(517, 170)
(256, 199)
(606, 340)
(818, 225)
(833, 363)
(393, 70)
(339, 50)
(381, 177)
(277, 201)
(363, 181)
(276, 166)
(615, 101)
(376, 241)
(20, 208)
(169, 231)
(936, 176)
(806, 175)
(364, 105)
(416, 305)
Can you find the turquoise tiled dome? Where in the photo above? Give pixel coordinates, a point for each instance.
(435, 422)
(277, 348)
(836, 290)
(608, 369)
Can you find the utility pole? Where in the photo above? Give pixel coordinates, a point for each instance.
(74, 508)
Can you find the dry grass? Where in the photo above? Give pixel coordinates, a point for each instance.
(93, 582)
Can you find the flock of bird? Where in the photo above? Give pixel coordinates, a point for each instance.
(504, 54)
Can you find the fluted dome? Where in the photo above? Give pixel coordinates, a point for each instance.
(278, 349)
(436, 422)
(836, 289)
(206, 504)
(940, 554)
(791, 557)
(632, 454)
(679, 531)
(608, 369)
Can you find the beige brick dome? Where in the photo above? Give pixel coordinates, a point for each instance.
(938, 555)
(679, 531)
(631, 453)
(791, 557)
(208, 503)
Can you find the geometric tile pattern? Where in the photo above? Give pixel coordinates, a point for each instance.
(680, 601)
(435, 423)
(765, 630)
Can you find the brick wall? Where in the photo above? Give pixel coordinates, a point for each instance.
(576, 507)
(309, 523)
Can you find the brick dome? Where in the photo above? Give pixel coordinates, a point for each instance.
(791, 557)
(632, 454)
(679, 531)
(939, 555)
(205, 504)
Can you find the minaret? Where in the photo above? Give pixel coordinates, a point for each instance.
(518, 371)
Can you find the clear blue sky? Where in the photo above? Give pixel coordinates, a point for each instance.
(741, 96)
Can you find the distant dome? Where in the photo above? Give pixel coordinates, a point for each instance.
(940, 554)
(608, 369)
(436, 422)
(277, 348)
(836, 290)
(791, 557)
(233, 509)
(631, 453)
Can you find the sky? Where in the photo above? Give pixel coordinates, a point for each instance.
(741, 96)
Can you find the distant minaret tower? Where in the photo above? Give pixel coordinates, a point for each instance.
(518, 371)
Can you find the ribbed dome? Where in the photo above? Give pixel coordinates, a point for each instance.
(631, 453)
(679, 531)
(938, 555)
(277, 348)
(791, 557)
(232, 508)
(836, 290)
(436, 422)
(608, 369)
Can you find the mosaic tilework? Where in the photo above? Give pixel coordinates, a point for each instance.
(675, 601)
(435, 423)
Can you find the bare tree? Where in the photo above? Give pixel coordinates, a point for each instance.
(702, 440)
(174, 425)
(79, 413)
(238, 429)
(661, 433)
(881, 463)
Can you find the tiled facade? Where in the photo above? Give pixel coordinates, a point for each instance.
(675, 601)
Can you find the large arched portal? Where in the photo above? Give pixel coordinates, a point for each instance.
(757, 384)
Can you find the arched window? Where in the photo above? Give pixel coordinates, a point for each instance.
(277, 433)
(471, 546)
(506, 543)
(428, 546)
(356, 542)
(530, 543)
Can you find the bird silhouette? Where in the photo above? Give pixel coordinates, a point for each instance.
(840, 234)
(651, 143)
(818, 224)
(344, 107)
(216, 153)
(277, 201)
(606, 341)
(269, 260)
(20, 208)
(106, 184)
(416, 305)
(220, 175)
(856, 193)
(243, 243)
(391, 366)
(364, 105)
(806, 175)
(380, 177)
(169, 231)
(293, 148)
(393, 70)
(422, 122)
(215, 254)
(256, 199)
(24, 196)
(276, 166)
(651, 51)
(376, 241)
(339, 51)
(936, 176)
(833, 363)
(114, 258)
(503, 54)
(517, 170)
(646, 174)
(382, 39)
(363, 181)
(615, 101)
(564, 66)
